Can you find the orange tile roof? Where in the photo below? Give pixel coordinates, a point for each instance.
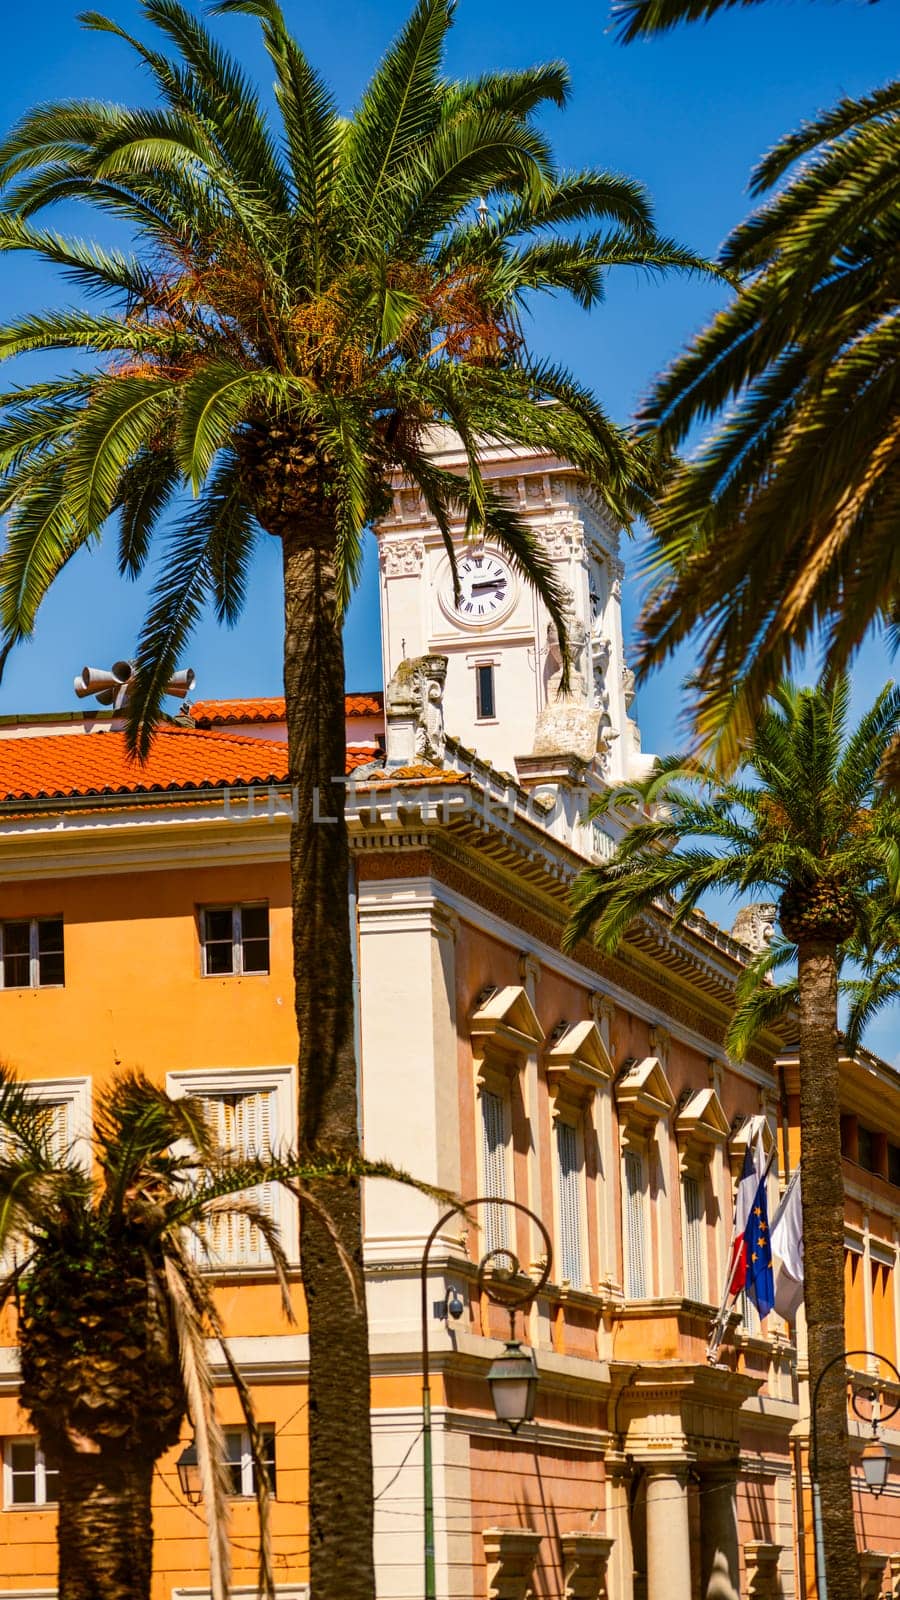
(97, 763)
(213, 713)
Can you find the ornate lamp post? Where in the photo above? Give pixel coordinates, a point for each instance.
(512, 1377)
(876, 1458)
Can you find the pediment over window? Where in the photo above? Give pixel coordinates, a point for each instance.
(746, 1135)
(504, 1023)
(577, 1061)
(643, 1095)
(700, 1126)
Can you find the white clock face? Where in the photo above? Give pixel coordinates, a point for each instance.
(485, 587)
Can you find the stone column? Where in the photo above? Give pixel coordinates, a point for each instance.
(719, 1569)
(668, 1532)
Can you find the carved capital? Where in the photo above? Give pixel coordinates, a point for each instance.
(402, 558)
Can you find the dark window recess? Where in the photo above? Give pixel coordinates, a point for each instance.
(255, 938)
(484, 686)
(893, 1156)
(17, 955)
(235, 939)
(866, 1147)
(51, 965)
(33, 954)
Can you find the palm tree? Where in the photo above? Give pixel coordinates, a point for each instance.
(115, 1309)
(303, 302)
(803, 819)
(783, 523)
(637, 18)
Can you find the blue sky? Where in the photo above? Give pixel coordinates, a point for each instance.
(687, 114)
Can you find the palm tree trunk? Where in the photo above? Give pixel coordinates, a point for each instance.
(105, 1528)
(822, 1191)
(340, 1449)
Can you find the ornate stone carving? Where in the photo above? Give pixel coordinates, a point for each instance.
(754, 925)
(561, 539)
(510, 1554)
(402, 558)
(414, 711)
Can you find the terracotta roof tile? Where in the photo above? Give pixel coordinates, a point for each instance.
(97, 763)
(213, 713)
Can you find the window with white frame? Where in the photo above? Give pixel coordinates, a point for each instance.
(31, 954)
(494, 1168)
(239, 1464)
(66, 1107)
(570, 1186)
(252, 1114)
(634, 1225)
(234, 940)
(693, 1220)
(28, 1478)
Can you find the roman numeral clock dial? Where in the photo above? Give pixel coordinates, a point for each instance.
(485, 588)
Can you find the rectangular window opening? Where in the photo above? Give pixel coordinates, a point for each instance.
(234, 940)
(692, 1194)
(31, 954)
(239, 1464)
(30, 1479)
(635, 1265)
(493, 1147)
(484, 693)
(570, 1262)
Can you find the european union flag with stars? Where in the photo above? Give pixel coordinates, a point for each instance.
(760, 1284)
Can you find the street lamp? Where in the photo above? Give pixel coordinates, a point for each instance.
(513, 1383)
(876, 1464)
(188, 1468)
(876, 1458)
(512, 1376)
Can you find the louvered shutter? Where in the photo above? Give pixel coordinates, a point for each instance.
(493, 1148)
(244, 1125)
(569, 1204)
(695, 1288)
(635, 1270)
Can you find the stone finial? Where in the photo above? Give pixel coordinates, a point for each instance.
(414, 711)
(754, 926)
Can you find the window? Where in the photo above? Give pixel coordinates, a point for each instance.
(569, 1166)
(493, 1152)
(633, 1231)
(484, 693)
(29, 1479)
(693, 1213)
(239, 1459)
(893, 1157)
(31, 954)
(866, 1147)
(234, 939)
(252, 1112)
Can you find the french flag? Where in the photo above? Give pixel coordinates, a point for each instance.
(752, 1178)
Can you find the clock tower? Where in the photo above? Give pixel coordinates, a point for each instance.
(501, 692)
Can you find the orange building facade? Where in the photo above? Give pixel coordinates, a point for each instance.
(145, 922)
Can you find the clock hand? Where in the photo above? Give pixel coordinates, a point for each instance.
(481, 588)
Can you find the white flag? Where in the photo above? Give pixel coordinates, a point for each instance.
(787, 1247)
